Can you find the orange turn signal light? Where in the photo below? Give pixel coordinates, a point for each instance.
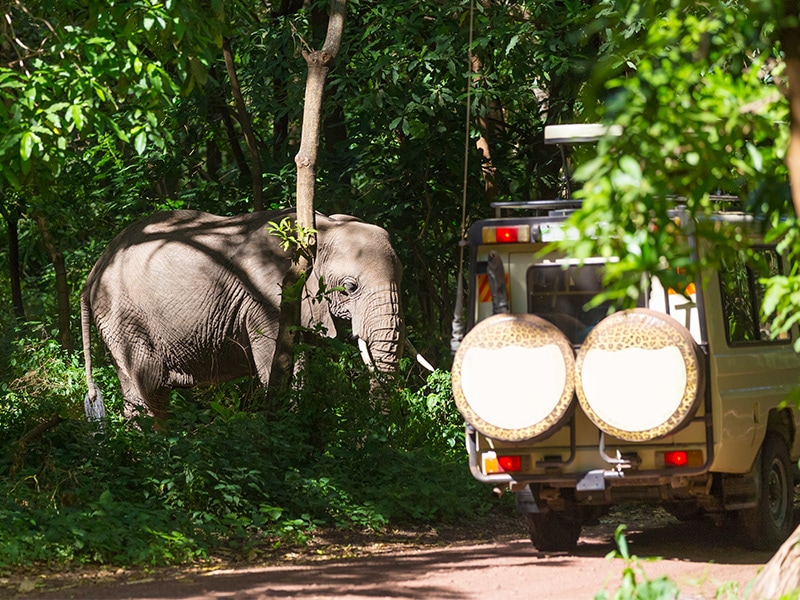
(501, 464)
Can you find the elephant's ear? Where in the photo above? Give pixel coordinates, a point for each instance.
(344, 218)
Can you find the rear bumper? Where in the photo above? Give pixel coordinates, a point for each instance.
(619, 472)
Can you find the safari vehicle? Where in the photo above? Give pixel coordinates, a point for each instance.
(678, 402)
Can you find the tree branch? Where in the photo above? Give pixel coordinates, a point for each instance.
(36, 432)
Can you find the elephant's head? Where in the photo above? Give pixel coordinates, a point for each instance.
(356, 261)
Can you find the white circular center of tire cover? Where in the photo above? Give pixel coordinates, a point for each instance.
(513, 387)
(634, 389)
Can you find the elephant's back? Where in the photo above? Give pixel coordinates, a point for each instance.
(181, 234)
(185, 257)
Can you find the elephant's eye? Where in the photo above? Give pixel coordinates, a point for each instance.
(350, 286)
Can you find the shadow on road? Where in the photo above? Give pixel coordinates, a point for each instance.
(451, 572)
(694, 541)
(425, 574)
(465, 569)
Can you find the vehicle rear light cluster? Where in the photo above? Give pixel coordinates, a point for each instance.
(683, 458)
(507, 463)
(506, 234)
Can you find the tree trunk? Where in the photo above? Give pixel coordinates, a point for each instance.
(14, 270)
(247, 127)
(781, 575)
(790, 41)
(280, 124)
(491, 127)
(319, 63)
(62, 286)
(236, 148)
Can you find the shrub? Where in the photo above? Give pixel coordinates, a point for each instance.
(340, 450)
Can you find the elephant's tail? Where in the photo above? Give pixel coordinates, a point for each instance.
(93, 401)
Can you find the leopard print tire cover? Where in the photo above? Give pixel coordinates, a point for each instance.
(639, 375)
(514, 377)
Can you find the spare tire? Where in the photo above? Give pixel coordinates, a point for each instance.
(640, 375)
(514, 377)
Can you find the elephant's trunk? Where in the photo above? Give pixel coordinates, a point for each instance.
(381, 329)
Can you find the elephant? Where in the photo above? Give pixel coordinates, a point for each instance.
(186, 298)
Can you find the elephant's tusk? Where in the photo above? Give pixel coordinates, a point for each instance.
(365, 355)
(420, 359)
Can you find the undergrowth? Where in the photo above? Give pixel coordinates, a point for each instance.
(339, 451)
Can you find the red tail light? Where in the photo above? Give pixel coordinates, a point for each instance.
(510, 464)
(506, 235)
(676, 458)
(681, 458)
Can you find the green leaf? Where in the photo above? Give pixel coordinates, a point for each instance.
(77, 115)
(755, 156)
(26, 145)
(630, 166)
(511, 43)
(140, 142)
(776, 289)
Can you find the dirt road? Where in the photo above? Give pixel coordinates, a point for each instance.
(699, 556)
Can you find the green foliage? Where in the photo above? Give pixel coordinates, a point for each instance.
(693, 88)
(635, 584)
(112, 110)
(401, 84)
(220, 481)
(782, 295)
(432, 419)
(91, 75)
(128, 111)
(293, 236)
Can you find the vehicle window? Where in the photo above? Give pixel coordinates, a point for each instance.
(559, 295)
(742, 295)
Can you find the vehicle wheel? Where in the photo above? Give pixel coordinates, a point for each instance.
(553, 532)
(768, 524)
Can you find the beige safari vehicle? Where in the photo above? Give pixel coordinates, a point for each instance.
(679, 402)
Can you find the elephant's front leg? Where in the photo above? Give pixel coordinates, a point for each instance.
(262, 331)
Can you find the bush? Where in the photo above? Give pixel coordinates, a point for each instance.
(340, 450)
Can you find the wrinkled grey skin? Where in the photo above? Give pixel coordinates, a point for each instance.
(187, 298)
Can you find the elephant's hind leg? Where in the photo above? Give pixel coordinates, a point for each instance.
(144, 385)
(141, 399)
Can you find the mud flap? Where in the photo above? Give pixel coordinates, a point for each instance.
(526, 503)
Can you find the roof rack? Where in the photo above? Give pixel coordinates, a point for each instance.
(575, 133)
(539, 204)
(572, 133)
